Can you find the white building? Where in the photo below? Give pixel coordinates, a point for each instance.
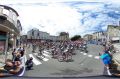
(113, 33)
(99, 36)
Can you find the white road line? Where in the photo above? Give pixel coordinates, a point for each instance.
(46, 55)
(35, 53)
(43, 54)
(46, 52)
(44, 59)
(35, 61)
(90, 55)
(81, 52)
(84, 53)
(97, 57)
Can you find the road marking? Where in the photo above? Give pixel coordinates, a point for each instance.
(84, 53)
(81, 52)
(43, 54)
(46, 52)
(45, 59)
(35, 61)
(90, 55)
(97, 57)
(46, 55)
(35, 53)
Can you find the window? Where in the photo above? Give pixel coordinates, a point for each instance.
(6, 12)
(1, 9)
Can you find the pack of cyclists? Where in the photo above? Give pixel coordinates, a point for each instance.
(63, 51)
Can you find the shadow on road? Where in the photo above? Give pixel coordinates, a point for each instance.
(70, 60)
(73, 72)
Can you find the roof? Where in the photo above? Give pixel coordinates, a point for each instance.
(114, 26)
(7, 7)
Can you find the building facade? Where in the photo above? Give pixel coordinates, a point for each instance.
(99, 36)
(64, 36)
(113, 33)
(35, 34)
(10, 31)
(10, 28)
(87, 37)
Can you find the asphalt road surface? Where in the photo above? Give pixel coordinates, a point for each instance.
(83, 64)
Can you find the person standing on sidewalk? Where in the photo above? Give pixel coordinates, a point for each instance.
(13, 54)
(107, 60)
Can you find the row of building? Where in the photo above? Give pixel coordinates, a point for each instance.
(35, 34)
(10, 28)
(112, 34)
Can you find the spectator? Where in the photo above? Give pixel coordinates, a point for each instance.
(29, 63)
(13, 54)
(10, 68)
(106, 58)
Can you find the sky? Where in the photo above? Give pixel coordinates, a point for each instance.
(78, 17)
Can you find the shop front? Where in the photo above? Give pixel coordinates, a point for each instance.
(2, 42)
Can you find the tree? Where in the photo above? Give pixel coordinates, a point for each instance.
(76, 37)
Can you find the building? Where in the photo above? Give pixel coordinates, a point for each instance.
(87, 37)
(113, 33)
(35, 34)
(64, 36)
(23, 39)
(99, 36)
(10, 28)
(44, 35)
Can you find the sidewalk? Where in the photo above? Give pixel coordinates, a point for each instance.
(116, 56)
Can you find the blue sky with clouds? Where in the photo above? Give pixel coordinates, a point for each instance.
(73, 16)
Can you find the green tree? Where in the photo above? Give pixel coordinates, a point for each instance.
(76, 37)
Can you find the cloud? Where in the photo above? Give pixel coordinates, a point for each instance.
(54, 18)
(74, 16)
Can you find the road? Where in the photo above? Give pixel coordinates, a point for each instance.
(82, 65)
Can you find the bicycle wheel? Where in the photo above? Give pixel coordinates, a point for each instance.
(70, 57)
(60, 58)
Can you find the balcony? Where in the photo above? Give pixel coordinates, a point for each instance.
(8, 20)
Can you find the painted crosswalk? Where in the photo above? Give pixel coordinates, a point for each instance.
(37, 59)
(46, 55)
